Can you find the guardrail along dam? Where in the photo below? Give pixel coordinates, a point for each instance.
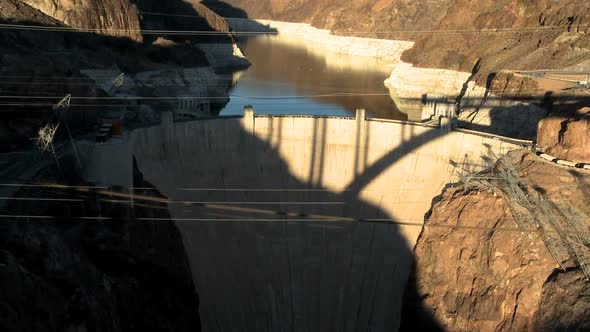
(298, 223)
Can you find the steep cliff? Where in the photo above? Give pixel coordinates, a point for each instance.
(183, 15)
(44, 64)
(478, 270)
(49, 63)
(108, 17)
(126, 18)
(566, 136)
(112, 273)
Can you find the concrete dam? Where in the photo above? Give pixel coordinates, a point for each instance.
(298, 223)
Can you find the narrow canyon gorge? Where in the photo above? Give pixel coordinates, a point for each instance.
(272, 165)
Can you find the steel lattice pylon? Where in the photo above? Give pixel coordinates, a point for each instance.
(63, 104)
(46, 136)
(119, 81)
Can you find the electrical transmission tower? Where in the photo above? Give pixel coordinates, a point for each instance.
(46, 138)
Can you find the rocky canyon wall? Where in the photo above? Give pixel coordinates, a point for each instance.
(504, 103)
(113, 18)
(537, 34)
(114, 273)
(479, 269)
(50, 63)
(323, 41)
(566, 136)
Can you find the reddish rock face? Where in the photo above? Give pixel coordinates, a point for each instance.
(566, 137)
(532, 49)
(487, 275)
(112, 18)
(548, 132)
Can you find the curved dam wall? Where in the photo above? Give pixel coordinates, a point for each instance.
(296, 223)
(302, 223)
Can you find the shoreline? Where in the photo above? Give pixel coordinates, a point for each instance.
(421, 93)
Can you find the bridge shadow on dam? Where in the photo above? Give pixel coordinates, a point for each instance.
(274, 245)
(512, 115)
(271, 246)
(275, 241)
(225, 9)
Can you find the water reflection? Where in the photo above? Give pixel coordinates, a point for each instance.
(286, 77)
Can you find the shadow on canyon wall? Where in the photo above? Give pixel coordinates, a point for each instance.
(177, 15)
(184, 16)
(225, 9)
(111, 273)
(506, 118)
(520, 121)
(48, 64)
(513, 120)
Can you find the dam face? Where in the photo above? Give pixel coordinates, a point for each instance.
(293, 223)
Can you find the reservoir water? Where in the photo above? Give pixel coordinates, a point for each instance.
(289, 77)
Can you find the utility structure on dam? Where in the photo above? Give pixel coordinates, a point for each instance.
(300, 223)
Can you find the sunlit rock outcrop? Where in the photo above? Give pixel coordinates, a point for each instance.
(566, 137)
(478, 270)
(110, 17)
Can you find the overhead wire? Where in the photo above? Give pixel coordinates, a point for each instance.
(148, 83)
(400, 222)
(502, 29)
(197, 97)
(104, 76)
(262, 97)
(6, 26)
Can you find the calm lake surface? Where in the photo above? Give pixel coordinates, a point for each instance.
(289, 77)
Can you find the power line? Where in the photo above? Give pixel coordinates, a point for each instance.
(103, 77)
(399, 222)
(344, 94)
(169, 201)
(93, 84)
(462, 31)
(65, 186)
(50, 104)
(41, 199)
(262, 97)
(171, 15)
(484, 30)
(219, 33)
(5, 26)
(192, 81)
(285, 101)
